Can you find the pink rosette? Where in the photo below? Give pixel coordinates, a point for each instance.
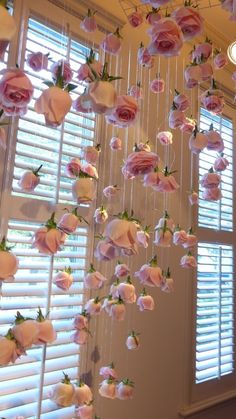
(100, 215)
(85, 411)
(133, 341)
(141, 163)
(214, 140)
(82, 394)
(94, 280)
(150, 274)
(202, 52)
(213, 101)
(16, 90)
(91, 154)
(85, 71)
(112, 43)
(108, 388)
(80, 337)
(191, 240)
(221, 163)
(189, 20)
(143, 238)
(152, 179)
(70, 221)
(163, 236)
(188, 261)
(145, 301)
(181, 102)
(125, 388)
(89, 23)
(164, 182)
(165, 137)
(153, 16)
(37, 61)
(29, 180)
(110, 191)
(48, 239)
(166, 220)
(62, 393)
(210, 180)
(81, 321)
(207, 71)
(122, 233)
(167, 38)
(157, 85)
(90, 170)
(193, 198)
(135, 19)
(25, 332)
(179, 236)
(197, 141)
(188, 125)
(54, 103)
(8, 262)
(144, 57)
(220, 60)
(212, 194)
(93, 306)
(105, 251)
(121, 270)
(8, 350)
(100, 96)
(64, 279)
(80, 104)
(118, 310)
(125, 112)
(109, 371)
(63, 68)
(176, 119)
(115, 144)
(84, 190)
(46, 334)
(192, 75)
(136, 91)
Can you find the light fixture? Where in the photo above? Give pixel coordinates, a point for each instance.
(232, 52)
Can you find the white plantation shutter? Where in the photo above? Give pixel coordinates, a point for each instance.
(215, 311)
(24, 386)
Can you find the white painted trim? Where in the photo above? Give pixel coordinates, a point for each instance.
(207, 404)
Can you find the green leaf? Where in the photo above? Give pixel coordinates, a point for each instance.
(48, 83)
(70, 87)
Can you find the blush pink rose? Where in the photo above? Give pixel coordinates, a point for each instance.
(166, 221)
(37, 61)
(105, 251)
(197, 142)
(144, 57)
(110, 191)
(192, 75)
(212, 194)
(149, 275)
(90, 170)
(202, 52)
(26, 332)
(107, 372)
(176, 119)
(181, 102)
(191, 240)
(221, 163)
(167, 285)
(220, 60)
(85, 411)
(126, 291)
(62, 67)
(145, 302)
(93, 306)
(136, 91)
(54, 103)
(118, 310)
(133, 341)
(82, 394)
(63, 279)
(48, 239)
(214, 140)
(81, 104)
(165, 137)
(28, 181)
(68, 223)
(125, 391)
(122, 233)
(16, 89)
(91, 154)
(167, 38)
(193, 198)
(94, 280)
(179, 237)
(143, 238)
(81, 321)
(188, 261)
(157, 85)
(163, 237)
(125, 112)
(135, 19)
(8, 350)
(85, 71)
(112, 43)
(108, 388)
(73, 168)
(151, 179)
(141, 163)
(189, 20)
(47, 334)
(100, 96)
(121, 270)
(210, 180)
(80, 337)
(207, 71)
(153, 16)
(188, 125)
(100, 215)
(107, 304)
(8, 262)
(62, 393)
(115, 144)
(89, 23)
(165, 183)
(84, 190)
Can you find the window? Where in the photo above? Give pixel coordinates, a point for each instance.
(24, 386)
(215, 273)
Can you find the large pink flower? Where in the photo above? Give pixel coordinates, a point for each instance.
(94, 279)
(85, 71)
(112, 43)
(135, 19)
(157, 85)
(125, 112)
(54, 103)
(145, 302)
(16, 89)
(210, 180)
(193, 75)
(150, 274)
(214, 140)
(122, 234)
(126, 291)
(221, 163)
(141, 163)
(37, 61)
(63, 68)
(89, 23)
(207, 71)
(212, 194)
(181, 102)
(105, 251)
(69, 222)
(84, 190)
(63, 279)
(220, 60)
(190, 21)
(108, 372)
(202, 52)
(28, 181)
(100, 96)
(73, 168)
(197, 141)
(167, 38)
(144, 57)
(176, 119)
(165, 137)
(48, 239)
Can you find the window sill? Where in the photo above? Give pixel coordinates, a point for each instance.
(207, 404)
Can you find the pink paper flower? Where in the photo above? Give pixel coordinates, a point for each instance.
(84, 190)
(62, 67)
(145, 301)
(189, 20)
(167, 38)
(54, 103)
(118, 310)
(25, 332)
(100, 96)
(37, 61)
(214, 140)
(125, 112)
(207, 71)
(8, 262)
(157, 85)
(122, 233)
(93, 306)
(141, 163)
(108, 372)
(202, 52)
(94, 280)
(144, 57)
(112, 43)
(179, 236)
(143, 238)
(3, 138)
(220, 60)
(126, 291)
(73, 168)
(108, 388)
(70, 221)
(125, 390)
(62, 393)
(48, 239)
(91, 154)
(188, 261)
(153, 16)
(192, 75)
(46, 334)
(133, 341)
(121, 270)
(221, 163)
(165, 137)
(89, 23)
(135, 19)
(210, 180)
(115, 143)
(191, 240)
(29, 180)
(176, 119)
(197, 141)
(150, 274)
(8, 349)
(64, 279)
(105, 251)
(110, 191)
(193, 198)
(82, 394)
(181, 102)
(188, 125)
(136, 91)
(212, 194)
(16, 89)
(213, 100)
(80, 337)
(81, 321)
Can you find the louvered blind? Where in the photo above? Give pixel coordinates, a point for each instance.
(217, 215)
(24, 386)
(215, 311)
